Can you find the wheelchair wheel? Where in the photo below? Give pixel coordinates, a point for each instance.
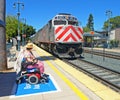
(33, 79)
(18, 81)
(43, 81)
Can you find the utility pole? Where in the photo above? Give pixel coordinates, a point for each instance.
(23, 31)
(3, 54)
(109, 14)
(18, 14)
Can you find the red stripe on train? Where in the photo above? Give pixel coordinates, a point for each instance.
(70, 36)
(63, 33)
(81, 31)
(58, 29)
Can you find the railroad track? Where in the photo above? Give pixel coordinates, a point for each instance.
(106, 76)
(103, 53)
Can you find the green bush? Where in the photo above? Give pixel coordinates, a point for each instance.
(114, 43)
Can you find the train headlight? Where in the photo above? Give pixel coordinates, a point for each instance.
(57, 39)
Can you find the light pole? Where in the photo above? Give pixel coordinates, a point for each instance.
(18, 3)
(108, 14)
(23, 31)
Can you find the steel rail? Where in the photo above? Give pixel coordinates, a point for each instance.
(105, 54)
(98, 77)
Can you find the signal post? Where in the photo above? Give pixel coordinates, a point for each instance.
(92, 33)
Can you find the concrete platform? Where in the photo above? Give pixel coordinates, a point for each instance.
(90, 88)
(71, 83)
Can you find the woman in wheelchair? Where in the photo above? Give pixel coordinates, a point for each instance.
(29, 60)
(32, 69)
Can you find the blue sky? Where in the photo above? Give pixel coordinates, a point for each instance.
(38, 12)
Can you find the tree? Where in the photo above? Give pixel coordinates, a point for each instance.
(89, 26)
(113, 22)
(90, 22)
(30, 31)
(86, 29)
(12, 27)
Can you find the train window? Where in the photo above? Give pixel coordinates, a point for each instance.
(59, 22)
(72, 23)
(60, 17)
(75, 18)
(55, 17)
(64, 17)
(71, 18)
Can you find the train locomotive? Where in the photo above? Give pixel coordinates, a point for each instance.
(61, 36)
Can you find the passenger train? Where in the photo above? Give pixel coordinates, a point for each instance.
(61, 36)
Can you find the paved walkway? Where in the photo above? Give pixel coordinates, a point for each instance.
(75, 86)
(11, 57)
(8, 77)
(9, 87)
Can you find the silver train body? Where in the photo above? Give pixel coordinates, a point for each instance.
(62, 36)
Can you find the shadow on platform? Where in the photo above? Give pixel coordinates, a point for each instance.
(44, 58)
(7, 83)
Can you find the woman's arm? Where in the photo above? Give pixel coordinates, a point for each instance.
(29, 57)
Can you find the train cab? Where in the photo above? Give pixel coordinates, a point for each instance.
(64, 19)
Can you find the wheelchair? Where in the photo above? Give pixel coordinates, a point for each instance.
(31, 75)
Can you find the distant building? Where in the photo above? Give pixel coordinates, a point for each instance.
(115, 34)
(105, 37)
(88, 38)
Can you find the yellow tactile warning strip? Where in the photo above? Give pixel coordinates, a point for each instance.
(81, 95)
(105, 93)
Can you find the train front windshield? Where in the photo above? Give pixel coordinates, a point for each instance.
(59, 22)
(62, 22)
(72, 23)
(65, 20)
